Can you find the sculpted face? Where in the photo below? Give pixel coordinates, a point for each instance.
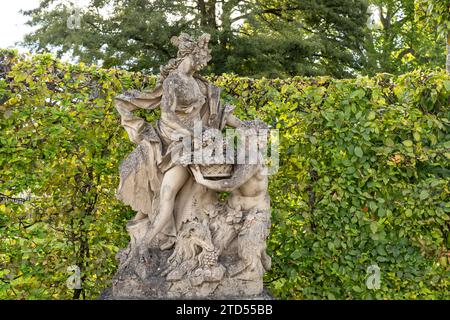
(195, 53)
(201, 58)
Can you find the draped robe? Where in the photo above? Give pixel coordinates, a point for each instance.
(142, 171)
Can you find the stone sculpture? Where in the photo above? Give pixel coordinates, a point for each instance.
(185, 241)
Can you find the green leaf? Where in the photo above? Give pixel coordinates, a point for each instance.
(423, 195)
(358, 152)
(357, 289)
(360, 93)
(389, 142)
(330, 245)
(408, 143)
(373, 226)
(408, 212)
(296, 254)
(447, 85)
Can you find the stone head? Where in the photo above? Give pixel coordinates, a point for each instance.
(195, 51)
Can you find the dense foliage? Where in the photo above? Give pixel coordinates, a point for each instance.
(437, 13)
(363, 179)
(272, 38)
(402, 39)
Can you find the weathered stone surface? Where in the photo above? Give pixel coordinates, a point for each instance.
(185, 243)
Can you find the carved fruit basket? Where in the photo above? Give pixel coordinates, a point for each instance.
(216, 170)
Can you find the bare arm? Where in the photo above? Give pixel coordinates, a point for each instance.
(233, 121)
(240, 176)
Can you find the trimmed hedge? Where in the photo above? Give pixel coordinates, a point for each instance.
(363, 179)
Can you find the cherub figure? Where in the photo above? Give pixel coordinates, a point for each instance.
(249, 194)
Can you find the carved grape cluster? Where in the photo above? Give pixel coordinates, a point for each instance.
(209, 258)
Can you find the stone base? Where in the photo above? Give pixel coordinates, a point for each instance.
(152, 275)
(107, 294)
(146, 280)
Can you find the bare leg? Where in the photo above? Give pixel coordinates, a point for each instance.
(139, 216)
(172, 182)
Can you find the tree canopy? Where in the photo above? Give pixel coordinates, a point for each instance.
(272, 38)
(401, 41)
(275, 38)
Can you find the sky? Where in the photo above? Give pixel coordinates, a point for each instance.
(12, 23)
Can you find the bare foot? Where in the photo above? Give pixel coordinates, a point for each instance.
(168, 244)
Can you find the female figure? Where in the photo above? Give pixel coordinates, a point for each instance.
(153, 185)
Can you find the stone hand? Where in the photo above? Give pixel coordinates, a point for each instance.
(197, 173)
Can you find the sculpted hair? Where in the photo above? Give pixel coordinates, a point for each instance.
(186, 45)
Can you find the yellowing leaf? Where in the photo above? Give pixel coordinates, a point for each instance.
(371, 115)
